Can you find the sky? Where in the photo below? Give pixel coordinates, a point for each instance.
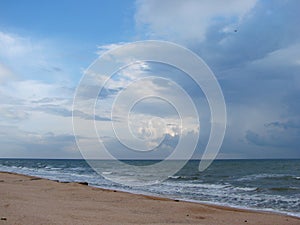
(252, 47)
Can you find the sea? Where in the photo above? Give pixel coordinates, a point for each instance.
(268, 185)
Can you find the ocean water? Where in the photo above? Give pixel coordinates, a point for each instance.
(271, 185)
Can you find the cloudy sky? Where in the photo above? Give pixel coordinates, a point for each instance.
(252, 47)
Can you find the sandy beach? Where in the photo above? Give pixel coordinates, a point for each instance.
(31, 200)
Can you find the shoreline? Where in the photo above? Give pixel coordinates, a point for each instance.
(149, 194)
(212, 204)
(77, 200)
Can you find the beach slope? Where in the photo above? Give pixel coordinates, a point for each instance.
(30, 200)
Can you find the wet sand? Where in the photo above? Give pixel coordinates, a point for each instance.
(30, 200)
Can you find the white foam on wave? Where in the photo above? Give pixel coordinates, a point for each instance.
(106, 172)
(197, 185)
(245, 188)
(174, 177)
(262, 176)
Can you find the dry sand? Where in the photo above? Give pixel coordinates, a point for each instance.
(28, 200)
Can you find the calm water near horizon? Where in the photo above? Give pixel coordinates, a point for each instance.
(272, 185)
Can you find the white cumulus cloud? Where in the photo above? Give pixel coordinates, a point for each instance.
(188, 20)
